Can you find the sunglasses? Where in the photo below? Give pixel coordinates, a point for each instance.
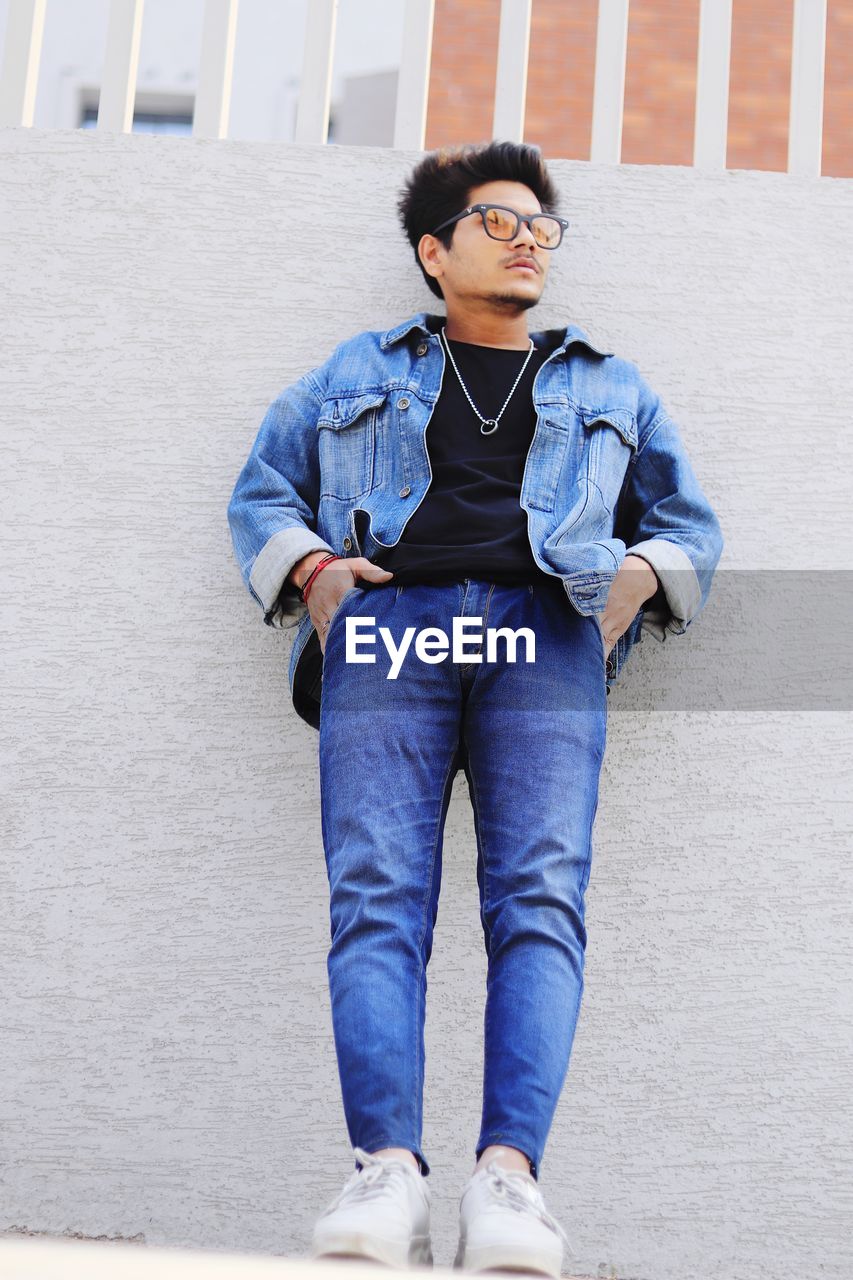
(503, 224)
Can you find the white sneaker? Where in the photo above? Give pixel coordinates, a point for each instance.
(503, 1223)
(382, 1214)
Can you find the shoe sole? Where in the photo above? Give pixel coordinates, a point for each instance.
(389, 1253)
(507, 1258)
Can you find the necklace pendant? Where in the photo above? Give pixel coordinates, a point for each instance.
(491, 423)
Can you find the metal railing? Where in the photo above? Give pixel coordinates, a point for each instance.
(19, 75)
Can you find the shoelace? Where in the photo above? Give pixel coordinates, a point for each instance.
(524, 1196)
(371, 1181)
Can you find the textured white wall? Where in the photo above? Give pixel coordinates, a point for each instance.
(167, 1068)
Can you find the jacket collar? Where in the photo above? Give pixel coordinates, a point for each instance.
(430, 324)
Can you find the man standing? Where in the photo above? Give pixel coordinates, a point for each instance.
(459, 470)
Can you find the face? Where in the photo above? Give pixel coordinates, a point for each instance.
(477, 267)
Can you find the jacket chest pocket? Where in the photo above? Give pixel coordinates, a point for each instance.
(610, 442)
(346, 442)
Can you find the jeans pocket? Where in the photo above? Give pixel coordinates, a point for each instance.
(606, 663)
(338, 610)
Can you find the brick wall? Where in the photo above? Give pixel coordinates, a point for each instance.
(660, 80)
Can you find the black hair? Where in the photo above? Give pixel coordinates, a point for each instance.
(439, 186)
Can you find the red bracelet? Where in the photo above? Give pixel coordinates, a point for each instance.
(321, 564)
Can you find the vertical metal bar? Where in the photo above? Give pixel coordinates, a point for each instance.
(19, 76)
(711, 125)
(312, 117)
(216, 69)
(511, 80)
(808, 60)
(413, 81)
(121, 63)
(608, 101)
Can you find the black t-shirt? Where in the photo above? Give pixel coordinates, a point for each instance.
(470, 523)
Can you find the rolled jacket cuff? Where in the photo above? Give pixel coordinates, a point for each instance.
(679, 582)
(282, 604)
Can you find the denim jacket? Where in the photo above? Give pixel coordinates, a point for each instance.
(340, 463)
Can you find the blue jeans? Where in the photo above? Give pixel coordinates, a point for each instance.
(531, 739)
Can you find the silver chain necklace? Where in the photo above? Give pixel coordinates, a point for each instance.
(491, 423)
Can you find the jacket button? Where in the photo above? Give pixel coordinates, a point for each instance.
(347, 543)
(405, 491)
(422, 349)
(403, 402)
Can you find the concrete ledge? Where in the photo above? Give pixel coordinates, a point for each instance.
(28, 1259)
